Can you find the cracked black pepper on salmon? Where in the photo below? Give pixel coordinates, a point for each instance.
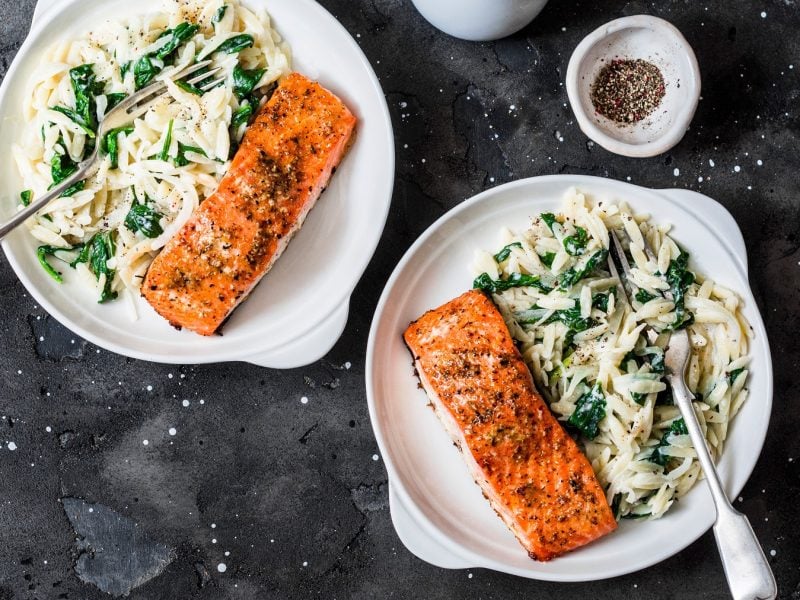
(235, 236)
(532, 472)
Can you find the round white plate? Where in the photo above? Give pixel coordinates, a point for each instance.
(298, 311)
(438, 511)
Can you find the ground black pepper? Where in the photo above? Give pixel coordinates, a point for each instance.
(626, 91)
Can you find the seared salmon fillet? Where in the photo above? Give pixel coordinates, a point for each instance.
(529, 469)
(286, 158)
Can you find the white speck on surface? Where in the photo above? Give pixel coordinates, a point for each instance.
(773, 552)
(91, 509)
(763, 14)
(491, 180)
(272, 541)
(741, 499)
(222, 567)
(737, 168)
(149, 388)
(348, 365)
(213, 526)
(759, 162)
(676, 171)
(41, 338)
(48, 429)
(169, 375)
(375, 457)
(469, 575)
(304, 400)
(19, 371)
(227, 553)
(172, 431)
(710, 162)
(305, 563)
(563, 29)
(202, 401)
(12, 446)
(213, 540)
(185, 403)
(403, 104)
(145, 442)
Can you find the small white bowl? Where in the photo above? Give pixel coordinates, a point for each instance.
(651, 39)
(479, 20)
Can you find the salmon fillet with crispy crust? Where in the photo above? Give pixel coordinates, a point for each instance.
(530, 470)
(235, 236)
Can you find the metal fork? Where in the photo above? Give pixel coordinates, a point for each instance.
(746, 568)
(122, 114)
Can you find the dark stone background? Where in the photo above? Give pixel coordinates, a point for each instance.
(261, 466)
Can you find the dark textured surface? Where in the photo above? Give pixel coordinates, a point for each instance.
(291, 490)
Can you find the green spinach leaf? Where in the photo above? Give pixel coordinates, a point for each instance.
(590, 409)
(549, 219)
(643, 296)
(144, 219)
(75, 118)
(42, 252)
(164, 154)
(235, 44)
(181, 160)
(177, 36)
(547, 259)
(505, 252)
(188, 87)
(245, 80)
(242, 115)
(678, 427)
(109, 144)
(575, 244)
(679, 279)
(220, 14)
(574, 274)
(25, 197)
(486, 283)
(144, 71)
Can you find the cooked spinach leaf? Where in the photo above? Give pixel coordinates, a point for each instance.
(114, 98)
(181, 160)
(571, 317)
(643, 296)
(574, 274)
(547, 259)
(678, 427)
(75, 118)
(235, 44)
(242, 115)
(61, 167)
(124, 68)
(657, 362)
(144, 219)
(505, 252)
(86, 87)
(109, 145)
(600, 301)
(96, 253)
(180, 34)
(679, 279)
(144, 71)
(549, 219)
(734, 374)
(486, 283)
(245, 80)
(25, 197)
(188, 87)
(575, 244)
(164, 154)
(42, 252)
(220, 14)
(590, 409)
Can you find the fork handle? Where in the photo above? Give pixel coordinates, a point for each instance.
(746, 568)
(39, 203)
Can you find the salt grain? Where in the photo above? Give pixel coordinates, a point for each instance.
(304, 400)
(222, 567)
(12, 446)
(375, 457)
(676, 172)
(145, 442)
(172, 431)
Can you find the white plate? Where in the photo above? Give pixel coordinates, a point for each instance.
(438, 511)
(300, 308)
